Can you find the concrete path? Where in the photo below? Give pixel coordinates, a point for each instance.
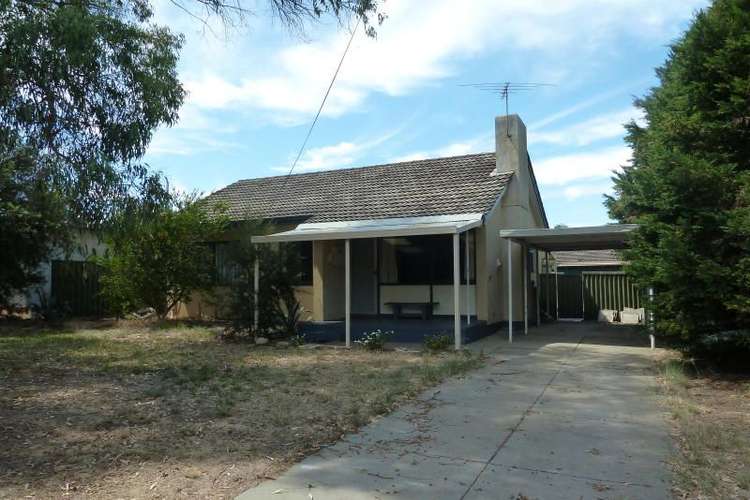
(567, 412)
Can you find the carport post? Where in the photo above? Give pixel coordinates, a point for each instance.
(510, 290)
(546, 279)
(538, 286)
(348, 292)
(456, 292)
(256, 290)
(525, 290)
(557, 297)
(466, 276)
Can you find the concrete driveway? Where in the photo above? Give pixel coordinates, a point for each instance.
(568, 411)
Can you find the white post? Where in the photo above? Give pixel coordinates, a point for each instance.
(466, 277)
(348, 292)
(525, 290)
(510, 291)
(256, 291)
(537, 269)
(547, 283)
(557, 297)
(651, 326)
(456, 292)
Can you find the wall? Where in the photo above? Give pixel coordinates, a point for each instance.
(215, 305)
(518, 208)
(328, 280)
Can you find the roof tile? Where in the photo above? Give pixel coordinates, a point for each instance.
(437, 186)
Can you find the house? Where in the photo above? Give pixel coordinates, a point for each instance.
(576, 262)
(412, 247)
(68, 280)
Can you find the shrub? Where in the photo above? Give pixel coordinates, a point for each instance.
(728, 350)
(279, 311)
(297, 340)
(157, 256)
(375, 340)
(438, 342)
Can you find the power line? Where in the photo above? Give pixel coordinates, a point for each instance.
(320, 110)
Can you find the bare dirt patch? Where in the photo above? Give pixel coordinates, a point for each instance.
(711, 426)
(136, 412)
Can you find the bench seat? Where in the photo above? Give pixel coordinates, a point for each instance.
(426, 308)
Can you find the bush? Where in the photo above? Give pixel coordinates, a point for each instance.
(728, 350)
(297, 340)
(279, 311)
(375, 340)
(157, 256)
(438, 342)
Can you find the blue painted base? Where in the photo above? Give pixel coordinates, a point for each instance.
(407, 330)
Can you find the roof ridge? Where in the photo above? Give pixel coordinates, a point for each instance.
(363, 167)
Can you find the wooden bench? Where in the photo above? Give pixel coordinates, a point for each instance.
(425, 307)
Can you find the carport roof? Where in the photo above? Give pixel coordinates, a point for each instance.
(572, 238)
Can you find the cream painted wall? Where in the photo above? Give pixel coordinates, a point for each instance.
(328, 279)
(518, 208)
(304, 295)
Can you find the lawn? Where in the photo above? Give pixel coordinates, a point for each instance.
(711, 425)
(161, 412)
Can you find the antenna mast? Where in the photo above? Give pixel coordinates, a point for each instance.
(504, 91)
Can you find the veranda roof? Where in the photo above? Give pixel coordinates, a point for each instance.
(376, 228)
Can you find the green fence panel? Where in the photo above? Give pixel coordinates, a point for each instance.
(585, 294)
(608, 290)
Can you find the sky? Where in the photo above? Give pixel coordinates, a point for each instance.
(253, 91)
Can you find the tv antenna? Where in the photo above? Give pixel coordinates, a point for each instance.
(504, 91)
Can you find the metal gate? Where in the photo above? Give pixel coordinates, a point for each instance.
(75, 288)
(570, 296)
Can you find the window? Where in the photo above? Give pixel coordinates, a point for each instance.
(304, 259)
(423, 260)
(227, 271)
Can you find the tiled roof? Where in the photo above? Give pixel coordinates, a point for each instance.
(438, 186)
(588, 257)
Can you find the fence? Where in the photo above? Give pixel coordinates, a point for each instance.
(584, 295)
(75, 288)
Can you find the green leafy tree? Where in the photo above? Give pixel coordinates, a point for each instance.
(160, 256)
(689, 183)
(83, 86)
(31, 216)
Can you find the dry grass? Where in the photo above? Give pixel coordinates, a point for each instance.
(138, 412)
(711, 423)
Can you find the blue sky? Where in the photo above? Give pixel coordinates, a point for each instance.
(254, 90)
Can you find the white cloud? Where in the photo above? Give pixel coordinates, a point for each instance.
(581, 190)
(341, 155)
(180, 141)
(562, 170)
(419, 43)
(605, 126)
(479, 144)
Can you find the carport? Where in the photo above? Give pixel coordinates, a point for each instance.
(611, 236)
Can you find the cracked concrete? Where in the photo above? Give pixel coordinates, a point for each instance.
(568, 411)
